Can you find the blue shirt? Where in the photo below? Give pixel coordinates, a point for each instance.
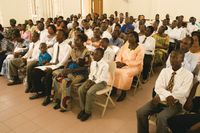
(127, 26)
(44, 58)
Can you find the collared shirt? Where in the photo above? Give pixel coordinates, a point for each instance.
(127, 26)
(33, 51)
(106, 34)
(182, 84)
(176, 33)
(6, 46)
(45, 57)
(109, 54)
(99, 71)
(118, 42)
(189, 63)
(21, 47)
(64, 53)
(191, 28)
(43, 36)
(89, 33)
(149, 44)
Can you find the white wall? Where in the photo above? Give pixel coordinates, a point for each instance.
(71, 7)
(187, 8)
(109, 6)
(17, 9)
(151, 7)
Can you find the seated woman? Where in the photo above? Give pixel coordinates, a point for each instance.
(129, 62)
(162, 44)
(94, 42)
(196, 44)
(73, 74)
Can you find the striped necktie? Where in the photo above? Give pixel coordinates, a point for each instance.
(171, 82)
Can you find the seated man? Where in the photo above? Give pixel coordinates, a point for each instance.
(188, 122)
(172, 88)
(32, 55)
(98, 78)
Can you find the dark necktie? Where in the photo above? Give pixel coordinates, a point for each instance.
(94, 77)
(144, 40)
(171, 82)
(57, 56)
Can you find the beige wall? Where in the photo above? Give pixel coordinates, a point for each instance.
(17, 9)
(150, 7)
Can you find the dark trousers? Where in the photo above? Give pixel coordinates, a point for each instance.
(2, 58)
(42, 81)
(182, 123)
(146, 66)
(173, 46)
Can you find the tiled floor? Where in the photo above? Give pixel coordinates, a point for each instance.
(18, 114)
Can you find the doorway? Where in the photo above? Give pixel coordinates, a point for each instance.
(97, 6)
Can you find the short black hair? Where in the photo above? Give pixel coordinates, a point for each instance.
(64, 33)
(190, 39)
(151, 29)
(136, 36)
(83, 37)
(100, 50)
(53, 27)
(105, 39)
(196, 33)
(178, 51)
(1, 36)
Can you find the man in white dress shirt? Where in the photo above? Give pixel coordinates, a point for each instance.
(87, 30)
(172, 86)
(31, 56)
(190, 59)
(104, 30)
(109, 53)
(149, 43)
(61, 53)
(97, 80)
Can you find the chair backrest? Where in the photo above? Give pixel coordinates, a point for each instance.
(112, 68)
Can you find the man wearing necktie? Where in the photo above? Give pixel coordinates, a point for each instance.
(172, 88)
(97, 80)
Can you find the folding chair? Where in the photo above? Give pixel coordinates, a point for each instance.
(107, 90)
(151, 69)
(137, 84)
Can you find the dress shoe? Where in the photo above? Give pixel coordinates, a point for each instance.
(113, 92)
(57, 106)
(122, 96)
(14, 82)
(63, 110)
(46, 101)
(85, 117)
(80, 114)
(27, 90)
(36, 96)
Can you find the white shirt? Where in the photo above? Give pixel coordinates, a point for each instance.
(99, 71)
(176, 33)
(189, 63)
(64, 53)
(50, 42)
(191, 28)
(182, 84)
(43, 36)
(106, 34)
(33, 51)
(89, 33)
(149, 44)
(109, 54)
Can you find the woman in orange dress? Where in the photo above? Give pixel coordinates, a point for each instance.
(129, 62)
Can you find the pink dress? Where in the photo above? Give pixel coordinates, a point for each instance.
(134, 61)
